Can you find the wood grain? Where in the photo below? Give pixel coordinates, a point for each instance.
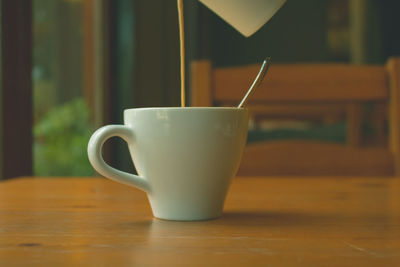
(288, 221)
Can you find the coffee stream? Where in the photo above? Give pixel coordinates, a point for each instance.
(182, 50)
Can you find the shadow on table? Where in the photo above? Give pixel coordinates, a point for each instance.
(247, 218)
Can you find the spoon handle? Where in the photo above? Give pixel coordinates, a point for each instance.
(257, 81)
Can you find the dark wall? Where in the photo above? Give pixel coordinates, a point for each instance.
(295, 33)
(298, 33)
(390, 27)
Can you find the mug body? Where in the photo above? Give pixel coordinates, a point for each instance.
(188, 157)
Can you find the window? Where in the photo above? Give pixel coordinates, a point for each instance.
(63, 80)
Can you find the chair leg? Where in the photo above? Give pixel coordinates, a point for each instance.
(379, 118)
(354, 124)
(393, 67)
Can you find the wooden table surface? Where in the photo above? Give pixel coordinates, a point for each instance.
(266, 222)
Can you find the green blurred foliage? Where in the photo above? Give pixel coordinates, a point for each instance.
(61, 138)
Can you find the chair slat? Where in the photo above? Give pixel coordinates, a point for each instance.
(314, 159)
(311, 82)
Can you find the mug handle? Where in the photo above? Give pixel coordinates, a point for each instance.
(96, 159)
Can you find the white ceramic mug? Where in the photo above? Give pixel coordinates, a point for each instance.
(185, 157)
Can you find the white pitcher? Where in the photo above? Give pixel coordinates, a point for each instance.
(246, 16)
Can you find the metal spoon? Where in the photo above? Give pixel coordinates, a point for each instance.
(257, 81)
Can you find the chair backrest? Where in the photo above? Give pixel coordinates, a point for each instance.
(303, 84)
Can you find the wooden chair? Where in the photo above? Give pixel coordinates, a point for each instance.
(296, 87)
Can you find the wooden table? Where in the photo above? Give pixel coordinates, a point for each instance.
(267, 222)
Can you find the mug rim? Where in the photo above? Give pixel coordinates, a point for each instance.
(187, 108)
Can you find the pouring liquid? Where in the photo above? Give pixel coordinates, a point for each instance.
(182, 50)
